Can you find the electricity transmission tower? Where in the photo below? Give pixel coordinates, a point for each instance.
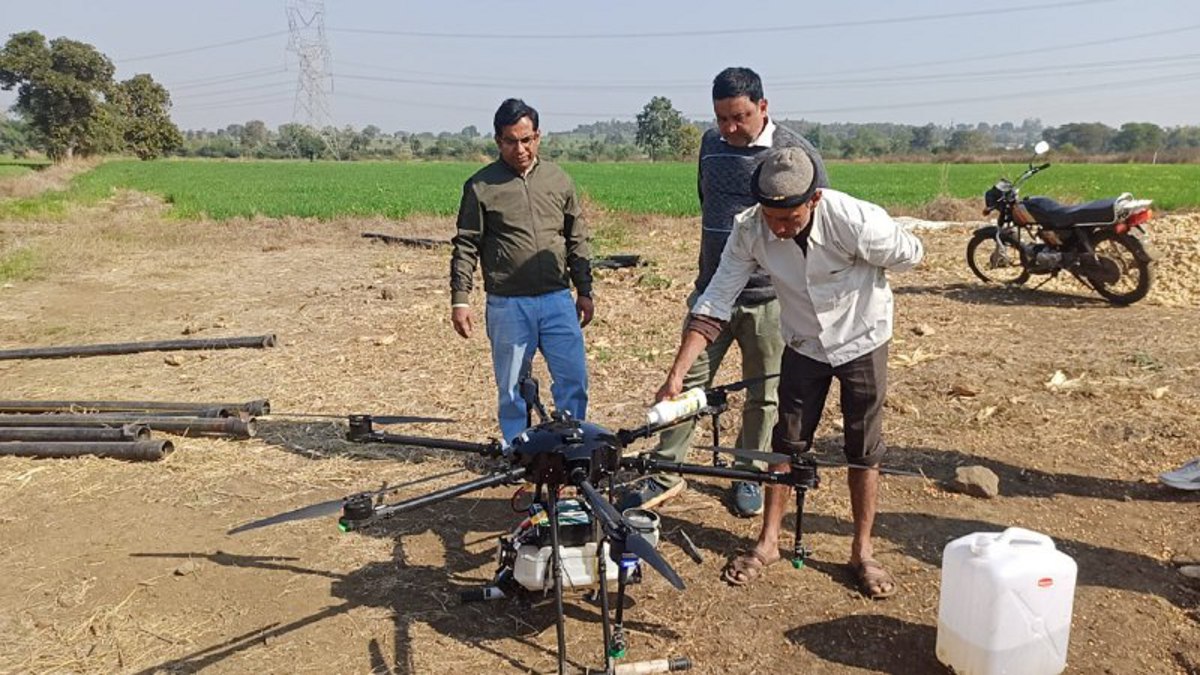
(306, 23)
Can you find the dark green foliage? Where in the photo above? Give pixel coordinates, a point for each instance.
(61, 91)
(659, 126)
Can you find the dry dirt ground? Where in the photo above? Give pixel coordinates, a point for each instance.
(109, 566)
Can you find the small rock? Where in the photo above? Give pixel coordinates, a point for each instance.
(385, 340)
(977, 481)
(923, 329)
(388, 293)
(173, 360)
(963, 390)
(189, 567)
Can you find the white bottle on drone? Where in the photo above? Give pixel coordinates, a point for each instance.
(670, 409)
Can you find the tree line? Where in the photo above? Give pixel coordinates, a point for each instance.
(68, 104)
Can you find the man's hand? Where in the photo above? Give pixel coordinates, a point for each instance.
(461, 318)
(585, 308)
(689, 348)
(671, 388)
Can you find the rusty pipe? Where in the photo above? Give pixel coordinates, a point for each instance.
(135, 451)
(186, 426)
(124, 434)
(257, 341)
(256, 407)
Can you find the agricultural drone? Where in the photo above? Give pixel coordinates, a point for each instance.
(576, 541)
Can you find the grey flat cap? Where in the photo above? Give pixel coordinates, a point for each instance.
(786, 178)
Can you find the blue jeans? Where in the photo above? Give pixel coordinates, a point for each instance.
(517, 326)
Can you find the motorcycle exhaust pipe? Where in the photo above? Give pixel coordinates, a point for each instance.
(145, 451)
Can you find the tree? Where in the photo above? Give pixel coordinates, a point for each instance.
(148, 129)
(61, 88)
(687, 142)
(14, 137)
(923, 138)
(299, 140)
(1088, 137)
(1138, 137)
(254, 134)
(658, 126)
(968, 141)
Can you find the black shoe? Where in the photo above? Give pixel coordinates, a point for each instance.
(648, 493)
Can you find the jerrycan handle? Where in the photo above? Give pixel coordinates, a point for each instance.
(985, 544)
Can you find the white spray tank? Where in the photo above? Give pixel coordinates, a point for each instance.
(1005, 604)
(671, 409)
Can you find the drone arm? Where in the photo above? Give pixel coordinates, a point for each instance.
(347, 523)
(646, 464)
(627, 436)
(361, 432)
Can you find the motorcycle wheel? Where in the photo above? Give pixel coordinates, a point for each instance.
(1136, 274)
(994, 265)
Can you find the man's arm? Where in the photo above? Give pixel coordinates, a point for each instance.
(690, 346)
(735, 269)
(883, 243)
(464, 259)
(579, 253)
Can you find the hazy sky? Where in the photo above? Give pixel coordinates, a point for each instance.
(440, 66)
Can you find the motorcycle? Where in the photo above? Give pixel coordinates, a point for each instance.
(1103, 243)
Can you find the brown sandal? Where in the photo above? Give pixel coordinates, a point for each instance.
(744, 568)
(874, 580)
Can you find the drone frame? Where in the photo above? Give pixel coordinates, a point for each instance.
(551, 469)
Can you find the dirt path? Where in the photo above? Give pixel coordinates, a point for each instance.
(122, 567)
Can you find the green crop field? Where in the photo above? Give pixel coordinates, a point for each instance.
(11, 170)
(325, 190)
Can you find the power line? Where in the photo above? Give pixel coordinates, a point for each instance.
(991, 12)
(255, 87)
(192, 50)
(839, 83)
(231, 77)
(237, 103)
(1025, 94)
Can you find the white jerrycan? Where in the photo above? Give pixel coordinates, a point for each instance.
(1005, 604)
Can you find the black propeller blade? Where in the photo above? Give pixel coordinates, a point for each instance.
(332, 507)
(780, 458)
(622, 538)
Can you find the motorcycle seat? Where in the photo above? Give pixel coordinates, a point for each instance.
(1052, 214)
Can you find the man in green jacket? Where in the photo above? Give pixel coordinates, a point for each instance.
(520, 220)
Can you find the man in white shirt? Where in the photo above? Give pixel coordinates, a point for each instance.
(826, 253)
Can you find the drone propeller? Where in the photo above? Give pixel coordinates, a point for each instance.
(622, 538)
(780, 458)
(333, 506)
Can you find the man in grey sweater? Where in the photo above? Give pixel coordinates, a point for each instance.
(729, 155)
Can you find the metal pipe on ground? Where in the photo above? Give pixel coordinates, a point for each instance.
(186, 426)
(125, 434)
(147, 451)
(253, 342)
(256, 407)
